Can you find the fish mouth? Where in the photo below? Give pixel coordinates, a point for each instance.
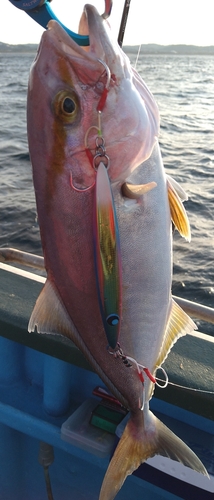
(102, 48)
(102, 77)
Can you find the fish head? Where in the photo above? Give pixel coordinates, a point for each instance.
(66, 87)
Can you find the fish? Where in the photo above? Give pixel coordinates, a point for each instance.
(105, 209)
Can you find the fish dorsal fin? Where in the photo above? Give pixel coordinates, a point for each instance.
(178, 212)
(134, 191)
(178, 325)
(49, 314)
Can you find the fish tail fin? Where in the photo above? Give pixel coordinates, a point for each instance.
(142, 440)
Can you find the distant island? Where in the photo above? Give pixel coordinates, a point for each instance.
(20, 48)
(181, 49)
(147, 49)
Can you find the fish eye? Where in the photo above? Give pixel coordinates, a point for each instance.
(66, 105)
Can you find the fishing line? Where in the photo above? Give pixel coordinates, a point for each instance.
(119, 354)
(100, 107)
(138, 54)
(186, 388)
(141, 368)
(165, 382)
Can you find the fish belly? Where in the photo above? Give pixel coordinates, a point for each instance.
(145, 232)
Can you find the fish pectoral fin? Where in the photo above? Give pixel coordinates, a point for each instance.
(49, 314)
(178, 325)
(135, 191)
(137, 444)
(178, 188)
(178, 212)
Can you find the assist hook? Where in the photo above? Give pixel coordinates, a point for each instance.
(42, 13)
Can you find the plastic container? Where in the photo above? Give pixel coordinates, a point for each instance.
(78, 431)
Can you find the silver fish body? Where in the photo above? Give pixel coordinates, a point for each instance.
(146, 246)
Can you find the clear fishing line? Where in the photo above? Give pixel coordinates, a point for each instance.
(137, 58)
(186, 388)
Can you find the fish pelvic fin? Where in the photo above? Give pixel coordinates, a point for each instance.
(178, 212)
(142, 439)
(135, 191)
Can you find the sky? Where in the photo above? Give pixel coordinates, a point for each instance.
(149, 21)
